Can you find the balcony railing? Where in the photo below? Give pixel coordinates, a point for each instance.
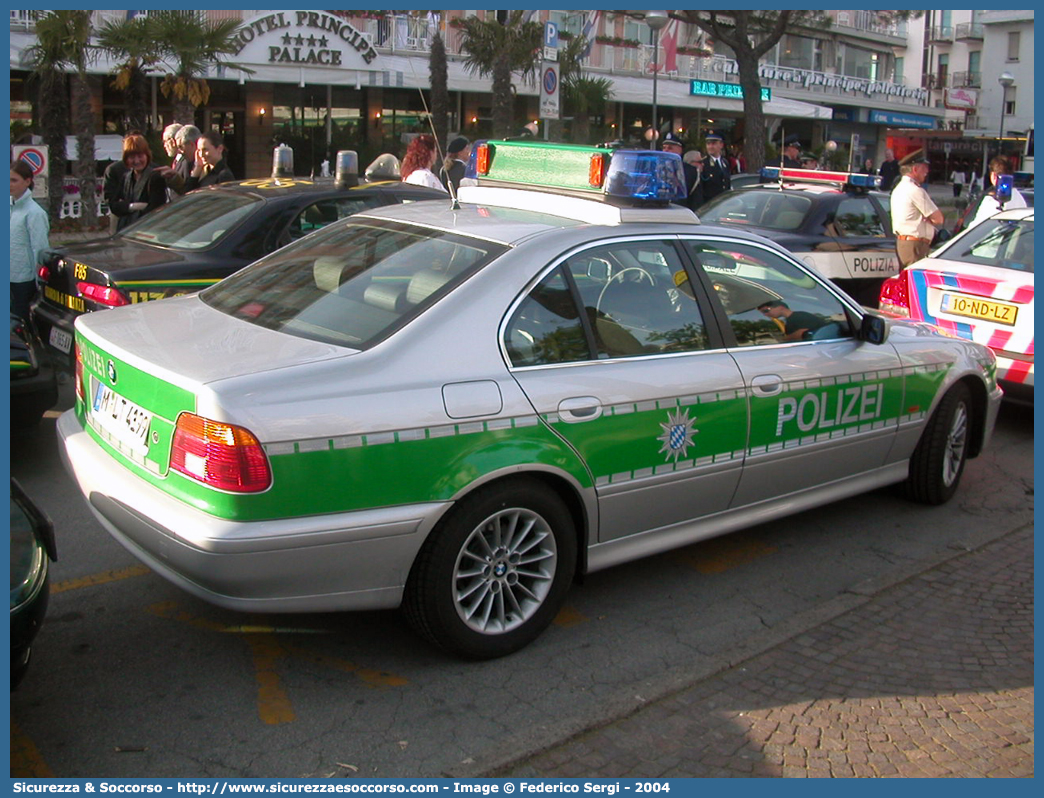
(966, 80)
(870, 22)
(969, 31)
(24, 20)
(940, 34)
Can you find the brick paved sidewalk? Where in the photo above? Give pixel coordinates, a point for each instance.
(930, 677)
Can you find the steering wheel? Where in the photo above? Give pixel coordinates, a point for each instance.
(642, 274)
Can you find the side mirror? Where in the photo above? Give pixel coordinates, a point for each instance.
(873, 329)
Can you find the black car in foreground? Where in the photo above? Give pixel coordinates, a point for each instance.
(34, 386)
(32, 547)
(833, 221)
(192, 243)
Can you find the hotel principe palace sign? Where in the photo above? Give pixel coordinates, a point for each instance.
(303, 38)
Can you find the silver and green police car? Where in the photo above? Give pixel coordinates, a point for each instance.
(461, 407)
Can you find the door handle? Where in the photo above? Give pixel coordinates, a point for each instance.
(766, 385)
(579, 408)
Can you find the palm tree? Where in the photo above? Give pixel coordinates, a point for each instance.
(496, 49)
(583, 95)
(63, 45)
(191, 45)
(129, 43)
(439, 86)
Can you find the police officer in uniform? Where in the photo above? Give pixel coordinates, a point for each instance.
(716, 173)
(792, 153)
(693, 185)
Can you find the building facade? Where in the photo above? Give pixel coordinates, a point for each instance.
(324, 81)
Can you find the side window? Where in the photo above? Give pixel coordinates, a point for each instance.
(324, 212)
(857, 216)
(767, 299)
(637, 299)
(546, 327)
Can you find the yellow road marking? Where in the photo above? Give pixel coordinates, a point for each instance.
(273, 704)
(720, 554)
(100, 579)
(567, 616)
(26, 761)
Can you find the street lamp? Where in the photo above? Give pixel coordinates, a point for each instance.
(1006, 80)
(656, 20)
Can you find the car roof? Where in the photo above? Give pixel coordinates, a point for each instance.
(271, 187)
(1018, 214)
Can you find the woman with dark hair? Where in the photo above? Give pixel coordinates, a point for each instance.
(142, 189)
(29, 228)
(421, 155)
(210, 167)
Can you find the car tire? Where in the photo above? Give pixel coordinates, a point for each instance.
(938, 461)
(494, 572)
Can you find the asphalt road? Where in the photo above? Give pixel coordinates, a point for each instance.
(132, 677)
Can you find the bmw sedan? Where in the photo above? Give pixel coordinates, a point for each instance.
(462, 409)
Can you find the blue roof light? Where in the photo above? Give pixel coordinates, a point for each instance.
(854, 179)
(646, 175)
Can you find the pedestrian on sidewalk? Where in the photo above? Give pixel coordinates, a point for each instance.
(914, 215)
(142, 189)
(209, 167)
(958, 178)
(889, 171)
(30, 227)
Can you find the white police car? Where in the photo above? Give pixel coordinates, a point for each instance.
(833, 221)
(460, 408)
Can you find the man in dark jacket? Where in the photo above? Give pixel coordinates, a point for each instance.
(693, 188)
(792, 153)
(889, 171)
(455, 164)
(716, 174)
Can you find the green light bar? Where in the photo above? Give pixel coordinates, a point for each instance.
(561, 166)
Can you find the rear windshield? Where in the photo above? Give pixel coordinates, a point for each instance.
(1007, 243)
(772, 209)
(196, 221)
(351, 284)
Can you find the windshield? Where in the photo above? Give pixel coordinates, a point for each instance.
(351, 284)
(772, 209)
(1005, 243)
(196, 221)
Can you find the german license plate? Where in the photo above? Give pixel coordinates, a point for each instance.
(121, 418)
(975, 308)
(60, 340)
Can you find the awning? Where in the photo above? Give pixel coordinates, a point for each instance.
(676, 94)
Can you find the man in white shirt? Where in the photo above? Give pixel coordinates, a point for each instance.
(914, 215)
(989, 205)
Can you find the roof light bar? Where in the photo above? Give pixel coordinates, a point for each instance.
(856, 179)
(628, 176)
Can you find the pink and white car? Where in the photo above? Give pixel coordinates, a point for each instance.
(978, 286)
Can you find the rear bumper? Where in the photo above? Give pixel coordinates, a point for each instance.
(346, 561)
(45, 318)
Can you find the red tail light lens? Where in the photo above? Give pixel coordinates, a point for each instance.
(44, 273)
(220, 455)
(895, 295)
(81, 390)
(102, 294)
(482, 159)
(596, 170)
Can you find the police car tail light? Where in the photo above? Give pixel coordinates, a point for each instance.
(895, 296)
(220, 455)
(102, 294)
(81, 391)
(43, 273)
